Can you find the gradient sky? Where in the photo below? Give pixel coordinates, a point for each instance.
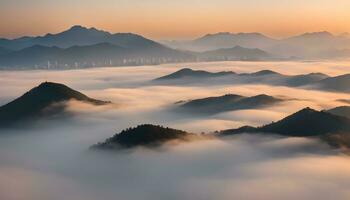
(175, 19)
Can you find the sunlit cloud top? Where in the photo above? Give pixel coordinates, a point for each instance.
(165, 19)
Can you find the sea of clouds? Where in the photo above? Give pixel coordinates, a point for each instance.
(52, 159)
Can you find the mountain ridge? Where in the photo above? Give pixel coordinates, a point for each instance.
(146, 135)
(36, 103)
(228, 102)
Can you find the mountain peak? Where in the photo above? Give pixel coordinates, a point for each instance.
(40, 102)
(146, 135)
(265, 72)
(78, 27)
(306, 110)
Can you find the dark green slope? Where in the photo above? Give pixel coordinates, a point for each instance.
(36, 103)
(146, 135)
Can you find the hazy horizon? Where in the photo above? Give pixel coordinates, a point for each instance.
(176, 20)
(180, 39)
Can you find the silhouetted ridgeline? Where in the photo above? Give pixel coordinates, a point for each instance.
(304, 123)
(318, 45)
(341, 111)
(312, 80)
(144, 136)
(229, 102)
(235, 53)
(45, 100)
(82, 47)
(189, 73)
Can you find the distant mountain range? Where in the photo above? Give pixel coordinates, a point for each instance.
(313, 80)
(235, 53)
(83, 47)
(305, 46)
(43, 101)
(332, 128)
(80, 47)
(81, 36)
(229, 102)
(146, 135)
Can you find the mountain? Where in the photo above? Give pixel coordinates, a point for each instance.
(143, 136)
(41, 101)
(189, 76)
(87, 47)
(304, 123)
(215, 41)
(102, 54)
(305, 79)
(229, 102)
(341, 111)
(80, 36)
(335, 54)
(235, 53)
(313, 39)
(4, 50)
(337, 84)
(316, 45)
(187, 72)
(35, 55)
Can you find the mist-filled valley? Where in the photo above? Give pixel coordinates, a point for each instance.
(52, 158)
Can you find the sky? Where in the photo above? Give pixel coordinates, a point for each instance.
(180, 19)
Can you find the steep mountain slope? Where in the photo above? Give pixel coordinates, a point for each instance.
(304, 123)
(340, 111)
(41, 101)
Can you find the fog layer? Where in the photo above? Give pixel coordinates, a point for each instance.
(52, 160)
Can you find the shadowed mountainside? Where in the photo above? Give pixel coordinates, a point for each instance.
(306, 122)
(333, 129)
(337, 84)
(189, 73)
(235, 53)
(341, 111)
(4, 50)
(47, 99)
(229, 102)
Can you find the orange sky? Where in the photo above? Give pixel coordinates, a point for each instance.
(166, 19)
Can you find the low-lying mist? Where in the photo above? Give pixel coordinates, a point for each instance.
(52, 159)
